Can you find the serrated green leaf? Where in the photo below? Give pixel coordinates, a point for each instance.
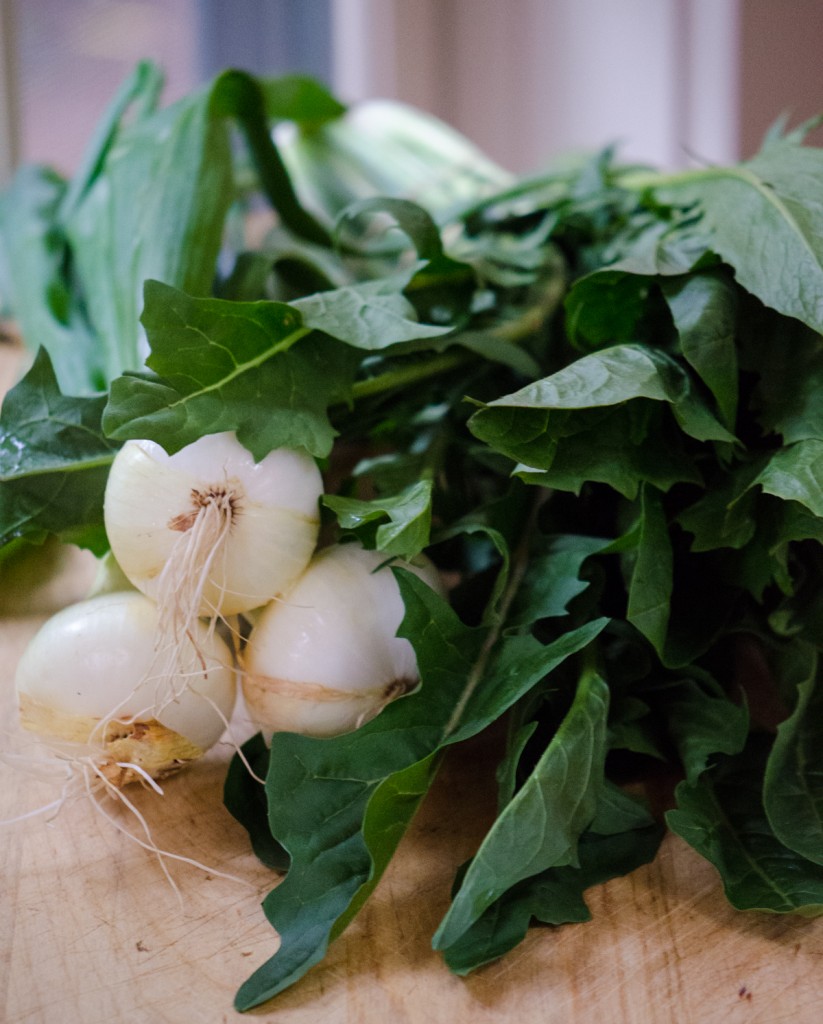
(722, 817)
(795, 473)
(786, 357)
(552, 579)
(372, 315)
(540, 827)
(632, 727)
(704, 723)
(624, 448)
(764, 220)
(556, 896)
(792, 789)
(227, 365)
(726, 515)
(54, 461)
(525, 425)
(409, 514)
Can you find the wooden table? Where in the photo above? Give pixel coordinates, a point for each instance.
(91, 932)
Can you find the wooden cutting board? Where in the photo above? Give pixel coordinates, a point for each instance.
(92, 932)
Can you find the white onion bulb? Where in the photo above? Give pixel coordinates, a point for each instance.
(91, 684)
(209, 531)
(326, 658)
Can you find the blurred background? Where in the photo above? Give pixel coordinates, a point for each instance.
(670, 82)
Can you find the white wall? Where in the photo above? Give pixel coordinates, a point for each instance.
(528, 79)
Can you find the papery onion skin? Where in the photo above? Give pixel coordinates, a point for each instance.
(90, 680)
(152, 501)
(325, 658)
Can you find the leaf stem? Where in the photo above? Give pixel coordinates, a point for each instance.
(641, 180)
(247, 104)
(512, 331)
(519, 566)
(401, 377)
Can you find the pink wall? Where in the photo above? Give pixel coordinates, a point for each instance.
(781, 65)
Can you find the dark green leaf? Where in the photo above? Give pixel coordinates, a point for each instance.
(722, 817)
(787, 359)
(370, 316)
(245, 798)
(605, 307)
(54, 461)
(526, 424)
(238, 95)
(541, 825)
(726, 516)
(764, 220)
(703, 722)
(703, 307)
(632, 727)
(650, 588)
(793, 787)
(227, 365)
(320, 791)
(623, 448)
(616, 844)
(552, 579)
(409, 515)
(391, 807)
(795, 473)
(300, 99)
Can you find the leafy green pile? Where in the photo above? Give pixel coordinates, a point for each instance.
(592, 397)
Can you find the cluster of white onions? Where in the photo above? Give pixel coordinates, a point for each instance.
(140, 680)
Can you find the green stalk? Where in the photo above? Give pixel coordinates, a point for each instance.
(497, 618)
(240, 96)
(640, 181)
(405, 375)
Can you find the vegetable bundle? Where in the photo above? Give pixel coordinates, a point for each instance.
(589, 398)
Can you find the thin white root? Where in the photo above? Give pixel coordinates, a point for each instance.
(147, 779)
(149, 844)
(82, 776)
(46, 769)
(55, 805)
(245, 762)
(185, 576)
(230, 740)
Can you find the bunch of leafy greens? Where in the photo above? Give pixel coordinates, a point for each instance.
(591, 397)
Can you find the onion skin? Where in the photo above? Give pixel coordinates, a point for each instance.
(264, 520)
(326, 658)
(90, 685)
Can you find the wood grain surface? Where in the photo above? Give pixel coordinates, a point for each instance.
(91, 931)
